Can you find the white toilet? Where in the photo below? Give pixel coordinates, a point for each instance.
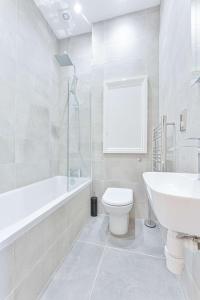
(117, 203)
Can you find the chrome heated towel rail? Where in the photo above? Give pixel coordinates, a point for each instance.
(159, 154)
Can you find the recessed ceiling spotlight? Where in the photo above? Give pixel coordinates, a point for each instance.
(77, 8)
(66, 16)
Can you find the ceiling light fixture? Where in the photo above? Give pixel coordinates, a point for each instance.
(66, 16)
(77, 8)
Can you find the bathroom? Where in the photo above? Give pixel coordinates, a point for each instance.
(99, 149)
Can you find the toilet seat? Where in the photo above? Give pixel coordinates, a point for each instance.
(118, 197)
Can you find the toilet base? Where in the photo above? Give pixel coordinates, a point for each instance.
(118, 224)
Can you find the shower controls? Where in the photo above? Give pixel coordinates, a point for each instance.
(183, 120)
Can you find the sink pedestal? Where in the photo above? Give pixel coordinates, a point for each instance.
(174, 252)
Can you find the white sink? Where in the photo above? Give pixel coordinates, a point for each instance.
(175, 199)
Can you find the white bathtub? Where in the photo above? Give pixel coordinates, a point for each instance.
(24, 207)
(38, 224)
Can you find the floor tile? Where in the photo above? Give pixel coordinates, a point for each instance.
(139, 239)
(95, 231)
(131, 276)
(74, 279)
(104, 267)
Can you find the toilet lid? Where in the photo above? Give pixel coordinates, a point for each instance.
(118, 197)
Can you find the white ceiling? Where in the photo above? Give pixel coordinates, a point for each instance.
(92, 11)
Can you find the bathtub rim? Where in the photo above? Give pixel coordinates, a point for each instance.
(13, 232)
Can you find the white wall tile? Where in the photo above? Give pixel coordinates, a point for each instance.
(7, 150)
(29, 78)
(27, 173)
(7, 175)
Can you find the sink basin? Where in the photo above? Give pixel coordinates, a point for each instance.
(175, 200)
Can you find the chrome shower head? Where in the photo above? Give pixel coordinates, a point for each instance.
(64, 60)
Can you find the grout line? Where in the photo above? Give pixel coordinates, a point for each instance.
(91, 243)
(97, 272)
(122, 249)
(135, 252)
(72, 246)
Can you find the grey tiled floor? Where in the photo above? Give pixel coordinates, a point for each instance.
(103, 267)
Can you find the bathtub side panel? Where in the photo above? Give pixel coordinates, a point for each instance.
(40, 251)
(7, 265)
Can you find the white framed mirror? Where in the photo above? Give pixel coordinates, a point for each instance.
(125, 115)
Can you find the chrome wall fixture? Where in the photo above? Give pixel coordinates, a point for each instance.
(159, 145)
(159, 152)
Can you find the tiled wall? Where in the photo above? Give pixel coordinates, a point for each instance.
(176, 94)
(126, 46)
(28, 263)
(28, 95)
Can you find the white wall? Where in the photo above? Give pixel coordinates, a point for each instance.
(29, 94)
(126, 46)
(176, 94)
